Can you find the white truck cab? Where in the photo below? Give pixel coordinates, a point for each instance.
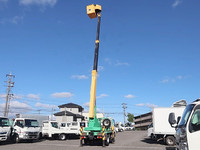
(188, 129)
(5, 129)
(25, 129)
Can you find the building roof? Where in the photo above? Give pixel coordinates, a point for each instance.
(71, 105)
(67, 113)
(143, 115)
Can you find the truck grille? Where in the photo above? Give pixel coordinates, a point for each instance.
(32, 133)
(3, 132)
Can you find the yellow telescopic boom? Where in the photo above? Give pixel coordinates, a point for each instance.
(94, 11)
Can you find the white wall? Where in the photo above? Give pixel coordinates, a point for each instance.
(73, 110)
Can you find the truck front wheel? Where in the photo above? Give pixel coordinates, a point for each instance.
(16, 138)
(62, 136)
(170, 140)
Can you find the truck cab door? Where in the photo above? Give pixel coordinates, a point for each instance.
(193, 134)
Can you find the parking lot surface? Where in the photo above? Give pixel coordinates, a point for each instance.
(127, 140)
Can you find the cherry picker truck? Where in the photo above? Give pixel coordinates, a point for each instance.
(99, 129)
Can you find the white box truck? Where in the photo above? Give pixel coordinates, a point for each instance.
(160, 129)
(5, 129)
(25, 129)
(188, 129)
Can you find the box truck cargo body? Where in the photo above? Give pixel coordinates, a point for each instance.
(161, 129)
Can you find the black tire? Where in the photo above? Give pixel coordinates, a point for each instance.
(107, 123)
(62, 137)
(16, 138)
(86, 142)
(107, 141)
(170, 140)
(112, 140)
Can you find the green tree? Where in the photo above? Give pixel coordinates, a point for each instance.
(130, 117)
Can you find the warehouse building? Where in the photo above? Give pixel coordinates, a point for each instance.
(143, 121)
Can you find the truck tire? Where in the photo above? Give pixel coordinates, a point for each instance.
(170, 140)
(107, 123)
(62, 136)
(16, 138)
(112, 140)
(107, 141)
(86, 142)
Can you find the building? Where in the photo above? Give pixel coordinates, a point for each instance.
(69, 112)
(143, 121)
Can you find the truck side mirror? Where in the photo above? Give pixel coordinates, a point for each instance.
(172, 119)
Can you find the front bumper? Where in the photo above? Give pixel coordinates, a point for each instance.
(29, 136)
(3, 137)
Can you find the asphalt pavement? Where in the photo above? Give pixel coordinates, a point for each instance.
(136, 140)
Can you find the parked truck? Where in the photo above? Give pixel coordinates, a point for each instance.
(5, 129)
(160, 128)
(50, 129)
(72, 128)
(25, 129)
(188, 127)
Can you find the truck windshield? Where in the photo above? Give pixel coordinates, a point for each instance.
(186, 115)
(31, 123)
(54, 124)
(4, 122)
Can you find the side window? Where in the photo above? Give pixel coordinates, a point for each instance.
(63, 125)
(195, 121)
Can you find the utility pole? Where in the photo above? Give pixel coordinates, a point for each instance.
(8, 95)
(124, 108)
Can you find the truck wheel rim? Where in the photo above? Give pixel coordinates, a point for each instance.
(170, 141)
(62, 137)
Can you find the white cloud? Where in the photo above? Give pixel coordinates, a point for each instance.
(172, 79)
(176, 3)
(62, 95)
(16, 19)
(16, 107)
(79, 77)
(86, 104)
(122, 64)
(18, 96)
(38, 2)
(102, 95)
(107, 60)
(116, 63)
(3, 96)
(129, 96)
(164, 81)
(45, 105)
(13, 20)
(149, 105)
(180, 77)
(19, 105)
(98, 110)
(33, 96)
(141, 104)
(100, 68)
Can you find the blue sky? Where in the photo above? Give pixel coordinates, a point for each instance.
(148, 54)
